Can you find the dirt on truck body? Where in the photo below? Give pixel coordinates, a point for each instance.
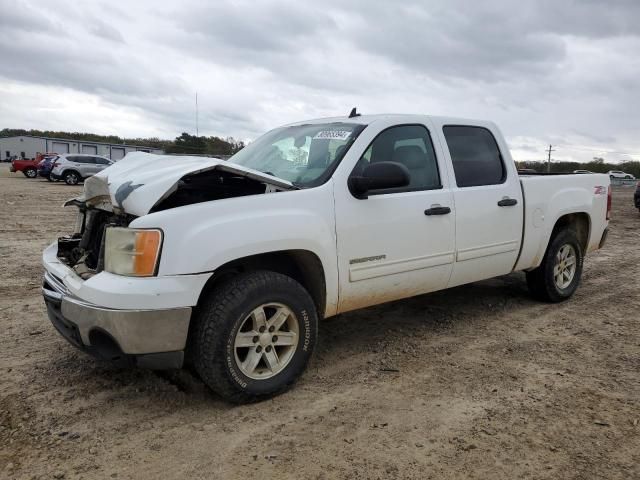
(475, 382)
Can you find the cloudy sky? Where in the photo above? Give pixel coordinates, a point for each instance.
(547, 71)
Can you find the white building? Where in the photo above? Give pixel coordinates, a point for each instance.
(27, 146)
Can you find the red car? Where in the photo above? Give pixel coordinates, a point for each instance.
(29, 167)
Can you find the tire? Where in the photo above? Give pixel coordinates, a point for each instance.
(543, 282)
(71, 177)
(31, 173)
(228, 315)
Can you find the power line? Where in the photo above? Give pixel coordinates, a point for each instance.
(603, 150)
(599, 150)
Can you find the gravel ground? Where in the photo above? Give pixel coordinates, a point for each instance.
(475, 382)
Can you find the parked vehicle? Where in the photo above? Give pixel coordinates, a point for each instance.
(29, 167)
(41, 156)
(72, 168)
(235, 262)
(620, 174)
(582, 171)
(636, 196)
(46, 165)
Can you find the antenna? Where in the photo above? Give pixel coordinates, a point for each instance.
(354, 113)
(197, 133)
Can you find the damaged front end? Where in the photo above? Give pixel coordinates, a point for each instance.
(83, 251)
(126, 191)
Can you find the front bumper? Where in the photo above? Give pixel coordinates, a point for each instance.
(132, 337)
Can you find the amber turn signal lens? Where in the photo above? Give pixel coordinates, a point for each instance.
(146, 251)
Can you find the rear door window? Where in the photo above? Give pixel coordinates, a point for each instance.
(475, 156)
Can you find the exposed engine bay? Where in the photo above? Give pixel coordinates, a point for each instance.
(211, 185)
(84, 250)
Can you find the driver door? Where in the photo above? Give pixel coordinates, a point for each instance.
(401, 242)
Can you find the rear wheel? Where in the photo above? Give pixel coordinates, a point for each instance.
(30, 173)
(558, 276)
(71, 178)
(254, 335)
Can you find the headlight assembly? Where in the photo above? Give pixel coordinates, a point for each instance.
(132, 251)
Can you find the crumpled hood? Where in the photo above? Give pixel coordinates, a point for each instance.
(140, 180)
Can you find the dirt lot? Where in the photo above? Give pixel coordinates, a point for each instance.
(476, 382)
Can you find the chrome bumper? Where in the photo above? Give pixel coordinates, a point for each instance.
(139, 333)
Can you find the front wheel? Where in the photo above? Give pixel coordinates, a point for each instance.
(254, 335)
(558, 276)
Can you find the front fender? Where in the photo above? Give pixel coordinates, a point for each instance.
(202, 237)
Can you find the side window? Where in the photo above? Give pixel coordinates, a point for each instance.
(409, 145)
(475, 156)
(102, 161)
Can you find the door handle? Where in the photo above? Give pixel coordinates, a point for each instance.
(437, 210)
(507, 202)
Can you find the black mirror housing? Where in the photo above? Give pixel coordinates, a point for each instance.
(379, 176)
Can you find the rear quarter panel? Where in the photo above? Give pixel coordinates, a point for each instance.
(548, 198)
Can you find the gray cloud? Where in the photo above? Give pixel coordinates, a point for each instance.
(544, 70)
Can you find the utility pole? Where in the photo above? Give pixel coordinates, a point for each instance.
(197, 133)
(549, 158)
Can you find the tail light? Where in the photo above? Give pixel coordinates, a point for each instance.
(609, 203)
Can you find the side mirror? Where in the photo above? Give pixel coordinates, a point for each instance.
(379, 176)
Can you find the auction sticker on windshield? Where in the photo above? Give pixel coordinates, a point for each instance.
(332, 135)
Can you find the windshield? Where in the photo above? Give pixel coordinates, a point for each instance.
(305, 155)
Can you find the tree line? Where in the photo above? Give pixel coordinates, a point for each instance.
(184, 143)
(597, 165)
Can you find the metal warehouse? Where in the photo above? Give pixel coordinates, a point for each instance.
(27, 146)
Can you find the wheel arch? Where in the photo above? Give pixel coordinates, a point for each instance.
(70, 170)
(303, 266)
(579, 222)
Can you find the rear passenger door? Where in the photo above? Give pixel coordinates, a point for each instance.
(488, 202)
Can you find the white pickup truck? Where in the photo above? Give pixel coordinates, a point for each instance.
(230, 265)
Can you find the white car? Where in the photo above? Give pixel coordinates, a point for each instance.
(620, 174)
(74, 167)
(233, 264)
(582, 171)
